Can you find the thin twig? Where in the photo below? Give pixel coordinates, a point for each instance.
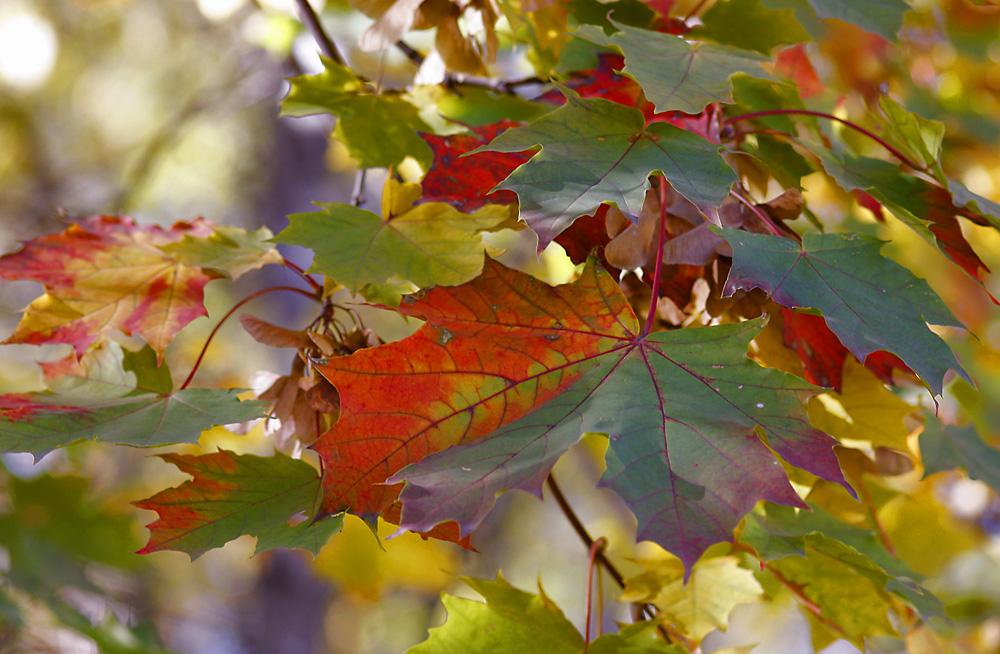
(252, 296)
(654, 293)
(819, 114)
(799, 593)
(598, 546)
(760, 214)
(326, 44)
(358, 193)
(316, 286)
(666, 630)
(411, 54)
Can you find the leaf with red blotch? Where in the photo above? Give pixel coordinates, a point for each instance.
(236, 494)
(596, 151)
(586, 233)
(870, 302)
(538, 366)
(927, 209)
(602, 82)
(793, 64)
(465, 182)
(108, 273)
(823, 355)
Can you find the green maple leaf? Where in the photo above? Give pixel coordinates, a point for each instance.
(882, 17)
(379, 129)
(516, 622)
(747, 24)
(870, 302)
(674, 73)
(41, 422)
(236, 494)
(427, 244)
(596, 151)
(230, 251)
(946, 447)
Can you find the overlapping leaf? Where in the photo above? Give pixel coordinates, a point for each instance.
(595, 151)
(683, 411)
(871, 303)
(107, 273)
(697, 605)
(41, 422)
(747, 24)
(676, 74)
(511, 620)
(882, 17)
(491, 351)
(231, 251)
(946, 447)
(427, 244)
(235, 494)
(925, 208)
(379, 130)
(465, 182)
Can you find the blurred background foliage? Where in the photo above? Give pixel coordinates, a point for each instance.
(167, 110)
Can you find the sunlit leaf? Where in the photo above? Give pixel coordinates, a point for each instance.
(703, 603)
(107, 273)
(427, 244)
(379, 129)
(230, 251)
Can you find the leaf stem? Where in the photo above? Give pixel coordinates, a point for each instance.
(654, 293)
(252, 296)
(819, 114)
(799, 593)
(358, 193)
(316, 286)
(667, 631)
(757, 212)
(596, 547)
(323, 39)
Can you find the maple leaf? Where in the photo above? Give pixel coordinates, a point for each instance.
(465, 182)
(427, 244)
(946, 447)
(379, 129)
(512, 620)
(491, 351)
(748, 24)
(674, 73)
(106, 273)
(235, 494)
(230, 251)
(41, 422)
(870, 302)
(697, 605)
(882, 17)
(681, 409)
(596, 151)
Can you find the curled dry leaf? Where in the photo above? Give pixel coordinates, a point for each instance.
(633, 244)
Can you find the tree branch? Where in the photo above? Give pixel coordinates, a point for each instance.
(326, 44)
